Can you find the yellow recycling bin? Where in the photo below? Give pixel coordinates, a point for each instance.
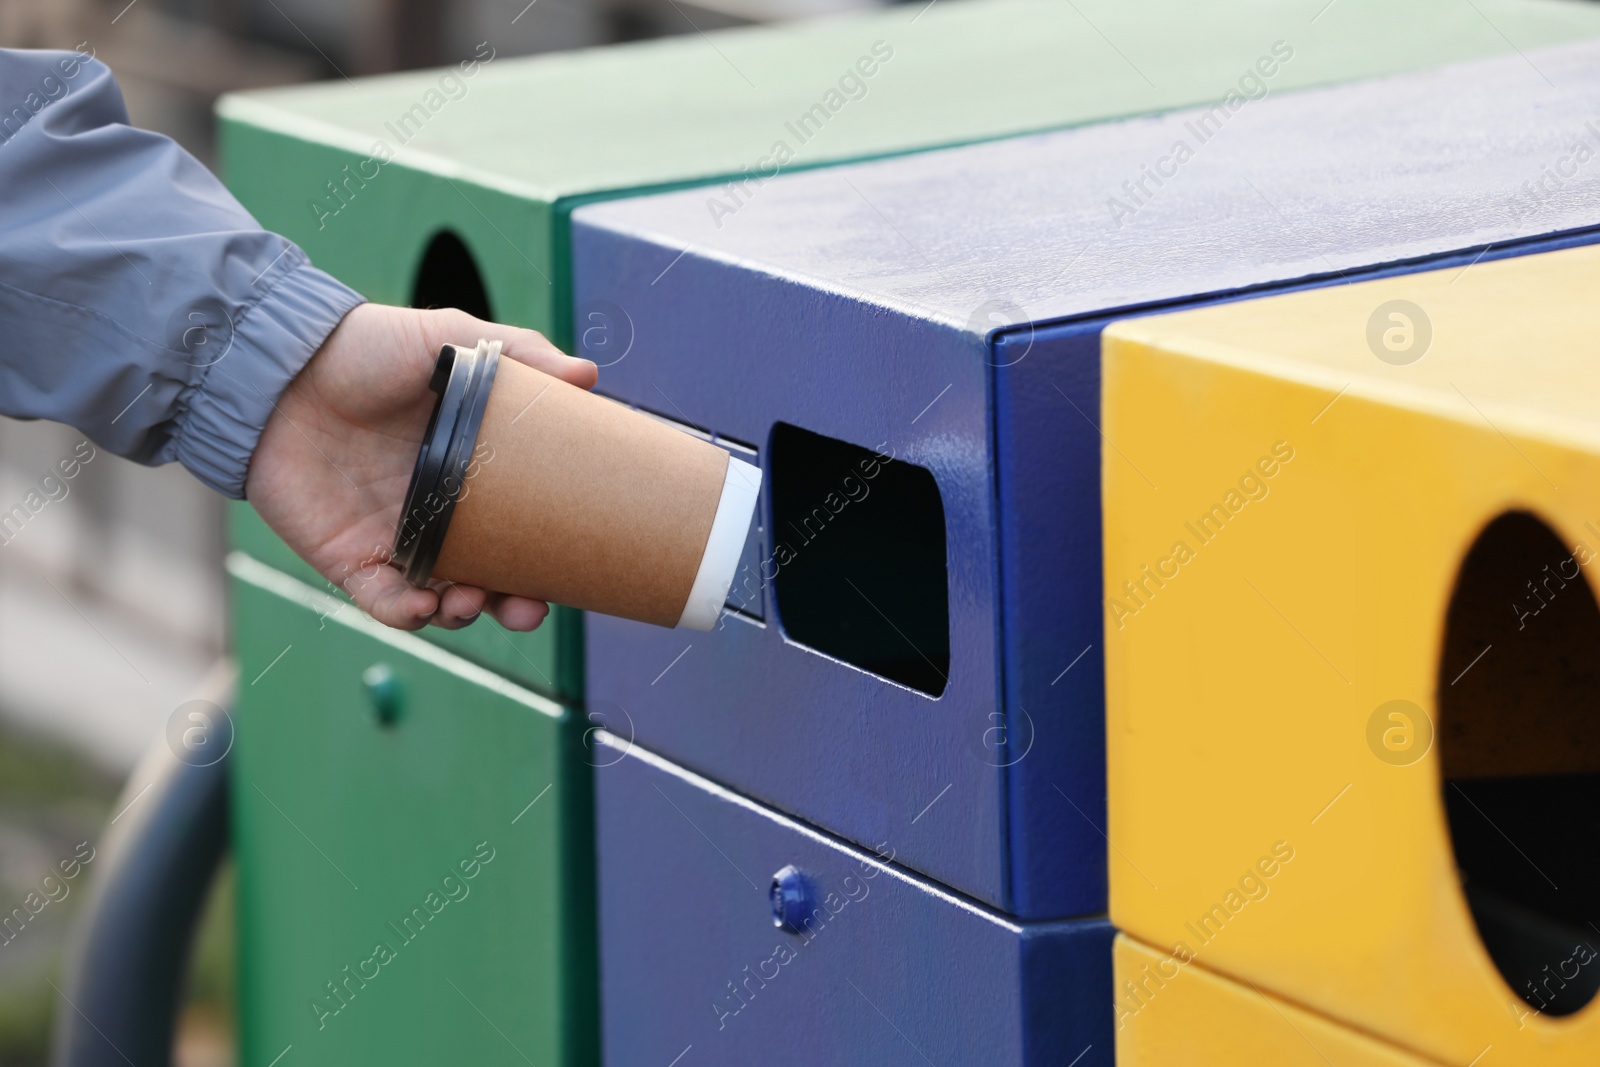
(1194, 1018)
(1353, 662)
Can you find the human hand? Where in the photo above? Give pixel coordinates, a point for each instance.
(332, 466)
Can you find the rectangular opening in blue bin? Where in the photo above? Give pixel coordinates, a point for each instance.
(859, 554)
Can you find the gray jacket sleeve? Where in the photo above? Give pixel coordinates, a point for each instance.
(139, 301)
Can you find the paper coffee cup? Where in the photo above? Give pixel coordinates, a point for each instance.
(568, 497)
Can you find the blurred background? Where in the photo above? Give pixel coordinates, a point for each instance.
(111, 597)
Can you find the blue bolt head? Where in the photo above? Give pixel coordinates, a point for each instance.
(791, 899)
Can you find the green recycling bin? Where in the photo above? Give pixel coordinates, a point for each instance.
(397, 756)
(413, 834)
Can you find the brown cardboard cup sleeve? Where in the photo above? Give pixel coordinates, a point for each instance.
(569, 497)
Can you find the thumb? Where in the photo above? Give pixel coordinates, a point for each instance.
(528, 347)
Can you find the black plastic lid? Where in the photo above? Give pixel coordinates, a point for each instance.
(463, 378)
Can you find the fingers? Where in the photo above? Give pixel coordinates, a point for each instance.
(395, 602)
(517, 613)
(459, 605)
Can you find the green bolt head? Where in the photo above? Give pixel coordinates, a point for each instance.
(385, 691)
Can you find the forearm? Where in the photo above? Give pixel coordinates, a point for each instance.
(141, 303)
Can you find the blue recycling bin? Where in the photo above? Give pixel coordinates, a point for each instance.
(740, 936)
(911, 659)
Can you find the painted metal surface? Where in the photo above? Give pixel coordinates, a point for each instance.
(414, 845)
(946, 307)
(497, 151)
(1435, 898)
(501, 159)
(1184, 1013)
(877, 968)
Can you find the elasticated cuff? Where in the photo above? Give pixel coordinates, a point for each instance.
(272, 340)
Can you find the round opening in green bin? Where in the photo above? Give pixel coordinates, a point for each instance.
(448, 277)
